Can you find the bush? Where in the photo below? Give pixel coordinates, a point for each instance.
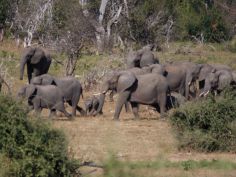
(208, 125)
(31, 148)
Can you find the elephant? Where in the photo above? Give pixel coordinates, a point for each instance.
(141, 58)
(180, 75)
(148, 89)
(136, 71)
(48, 96)
(91, 105)
(70, 87)
(217, 81)
(37, 61)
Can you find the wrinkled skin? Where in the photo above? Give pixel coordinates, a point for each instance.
(180, 75)
(217, 81)
(70, 87)
(141, 58)
(91, 105)
(39, 97)
(148, 89)
(136, 71)
(37, 61)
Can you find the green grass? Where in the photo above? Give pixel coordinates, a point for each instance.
(116, 168)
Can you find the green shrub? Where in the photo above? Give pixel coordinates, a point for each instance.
(207, 125)
(32, 147)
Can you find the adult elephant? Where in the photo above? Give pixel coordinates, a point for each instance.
(148, 89)
(70, 87)
(217, 80)
(37, 61)
(180, 75)
(141, 58)
(40, 97)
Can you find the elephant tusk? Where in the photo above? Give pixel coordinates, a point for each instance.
(95, 94)
(206, 93)
(189, 83)
(201, 94)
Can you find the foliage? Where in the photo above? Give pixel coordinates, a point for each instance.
(207, 125)
(116, 168)
(4, 7)
(198, 18)
(31, 147)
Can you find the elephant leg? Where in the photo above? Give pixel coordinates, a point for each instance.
(37, 107)
(61, 108)
(162, 100)
(122, 98)
(127, 109)
(135, 109)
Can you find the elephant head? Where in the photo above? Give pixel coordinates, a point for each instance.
(30, 91)
(120, 82)
(27, 91)
(211, 82)
(26, 57)
(133, 59)
(193, 73)
(32, 56)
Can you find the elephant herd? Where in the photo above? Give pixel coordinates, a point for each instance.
(144, 82)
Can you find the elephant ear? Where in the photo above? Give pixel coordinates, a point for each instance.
(125, 81)
(48, 80)
(38, 55)
(31, 90)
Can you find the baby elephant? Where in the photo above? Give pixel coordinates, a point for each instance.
(40, 97)
(91, 106)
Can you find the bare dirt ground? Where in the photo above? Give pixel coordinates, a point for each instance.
(148, 139)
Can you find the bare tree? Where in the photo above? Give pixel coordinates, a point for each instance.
(69, 32)
(31, 17)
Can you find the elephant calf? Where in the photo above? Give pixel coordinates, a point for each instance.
(92, 105)
(40, 97)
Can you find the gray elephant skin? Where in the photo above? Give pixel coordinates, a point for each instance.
(141, 58)
(37, 61)
(40, 97)
(217, 80)
(92, 105)
(148, 89)
(180, 75)
(70, 87)
(215, 77)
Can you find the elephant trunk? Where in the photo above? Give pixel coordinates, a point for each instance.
(206, 89)
(22, 66)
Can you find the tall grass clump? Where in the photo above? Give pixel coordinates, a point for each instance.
(31, 148)
(207, 125)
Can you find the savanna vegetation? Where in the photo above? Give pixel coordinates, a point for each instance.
(88, 38)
